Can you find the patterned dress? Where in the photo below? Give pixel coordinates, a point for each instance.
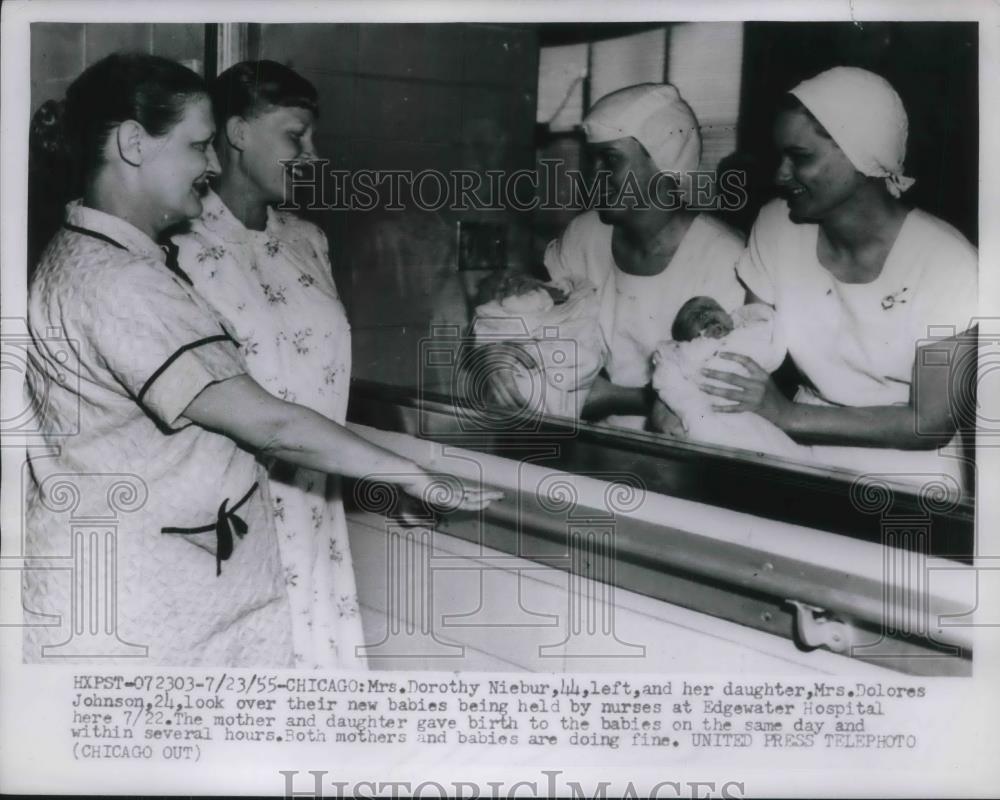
(193, 574)
(275, 289)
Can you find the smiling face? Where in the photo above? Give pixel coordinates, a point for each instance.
(176, 166)
(276, 142)
(629, 166)
(814, 174)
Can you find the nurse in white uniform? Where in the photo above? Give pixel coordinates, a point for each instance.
(859, 282)
(645, 250)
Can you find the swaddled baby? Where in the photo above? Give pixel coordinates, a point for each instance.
(520, 293)
(701, 330)
(556, 323)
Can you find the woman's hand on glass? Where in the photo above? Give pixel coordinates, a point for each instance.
(444, 493)
(755, 392)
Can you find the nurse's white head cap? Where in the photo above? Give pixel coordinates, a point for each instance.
(655, 115)
(865, 117)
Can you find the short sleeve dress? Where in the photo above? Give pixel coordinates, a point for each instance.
(122, 347)
(636, 311)
(275, 289)
(856, 343)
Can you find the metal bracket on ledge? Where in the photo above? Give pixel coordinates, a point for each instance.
(817, 630)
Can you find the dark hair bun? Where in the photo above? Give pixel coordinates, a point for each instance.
(48, 134)
(67, 138)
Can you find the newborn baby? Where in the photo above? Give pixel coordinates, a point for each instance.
(519, 292)
(556, 323)
(702, 330)
(702, 316)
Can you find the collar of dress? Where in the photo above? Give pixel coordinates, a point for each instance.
(219, 221)
(115, 228)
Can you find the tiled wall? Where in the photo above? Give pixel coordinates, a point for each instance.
(62, 50)
(392, 96)
(398, 96)
(487, 610)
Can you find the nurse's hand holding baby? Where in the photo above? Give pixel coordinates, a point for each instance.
(557, 323)
(858, 281)
(755, 391)
(641, 246)
(498, 363)
(701, 332)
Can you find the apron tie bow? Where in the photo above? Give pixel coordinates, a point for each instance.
(227, 522)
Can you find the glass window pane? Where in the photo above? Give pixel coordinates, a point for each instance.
(561, 72)
(705, 65)
(626, 61)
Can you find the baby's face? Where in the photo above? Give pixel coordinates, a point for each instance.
(702, 316)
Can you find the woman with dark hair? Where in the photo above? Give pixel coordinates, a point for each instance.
(146, 383)
(873, 296)
(268, 273)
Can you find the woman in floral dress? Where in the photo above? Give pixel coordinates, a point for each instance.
(268, 274)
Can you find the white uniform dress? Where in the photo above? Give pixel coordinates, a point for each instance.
(855, 343)
(636, 311)
(123, 347)
(276, 291)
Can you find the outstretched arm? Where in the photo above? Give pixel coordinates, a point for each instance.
(940, 394)
(242, 410)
